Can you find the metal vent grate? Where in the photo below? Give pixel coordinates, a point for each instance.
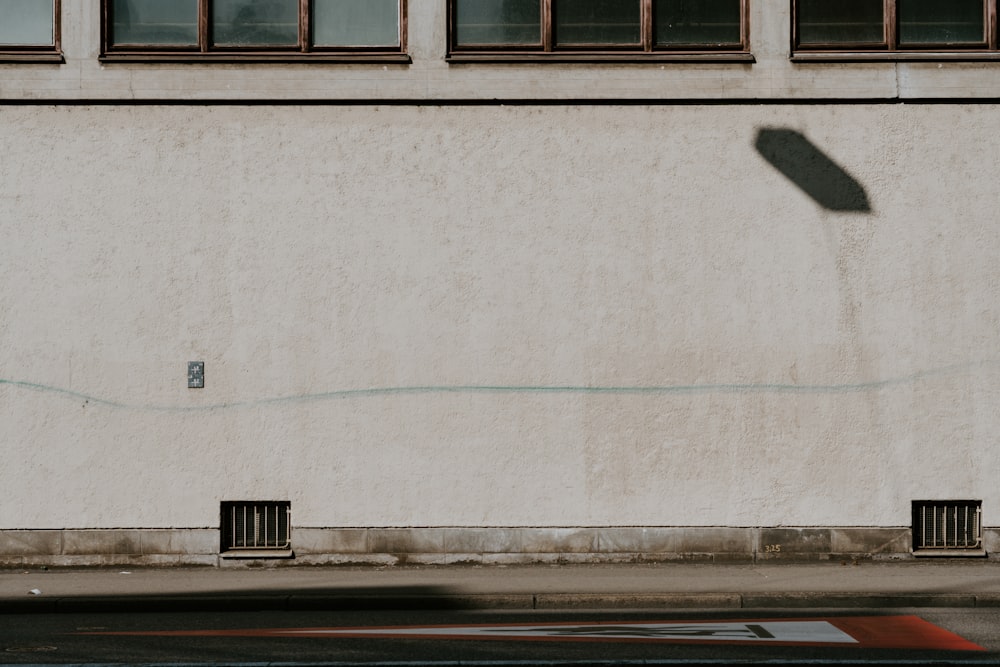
(947, 526)
(256, 526)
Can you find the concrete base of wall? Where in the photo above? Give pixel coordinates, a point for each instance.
(433, 546)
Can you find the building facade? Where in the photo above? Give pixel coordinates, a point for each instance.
(498, 281)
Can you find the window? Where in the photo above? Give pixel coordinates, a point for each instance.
(597, 29)
(29, 31)
(947, 527)
(255, 29)
(256, 529)
(929, 29)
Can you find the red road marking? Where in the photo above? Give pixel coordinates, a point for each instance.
(901, 632)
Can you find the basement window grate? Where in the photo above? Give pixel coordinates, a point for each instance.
(256, 529)
(947, 528)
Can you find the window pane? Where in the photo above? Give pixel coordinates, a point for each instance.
(26, 22)
(840, 22)
(697, 22)
(356, 22)
(167, 22)
(940, 22)
(597, 21)
(498, 21)
(255, 22)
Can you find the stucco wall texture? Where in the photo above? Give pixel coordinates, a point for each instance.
(498, 315)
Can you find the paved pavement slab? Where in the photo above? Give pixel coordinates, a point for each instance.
(939, 583)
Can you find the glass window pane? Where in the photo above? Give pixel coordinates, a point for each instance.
(166, 22)
(840, 22)
(940, 22)
(255, 22)
(710, 22)
(498, 22)
(356, 22)
(26, 22)
(597, 21)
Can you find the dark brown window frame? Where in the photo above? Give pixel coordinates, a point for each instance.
(890, 48)
(649, 52)
(33, 53)
(206, 52)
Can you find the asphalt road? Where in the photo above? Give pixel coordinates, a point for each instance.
(88, 639)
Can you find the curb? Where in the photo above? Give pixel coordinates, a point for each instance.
(486, 601)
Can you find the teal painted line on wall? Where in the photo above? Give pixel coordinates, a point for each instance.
(68, 393)
(719, 388)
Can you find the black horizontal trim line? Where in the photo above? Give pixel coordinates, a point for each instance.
(465, 102)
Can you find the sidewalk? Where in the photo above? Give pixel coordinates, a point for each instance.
(949, 583)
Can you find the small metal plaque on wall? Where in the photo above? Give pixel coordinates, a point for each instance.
(196, 374)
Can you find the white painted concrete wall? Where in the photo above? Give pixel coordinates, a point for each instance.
(597, 315)
(502, 315)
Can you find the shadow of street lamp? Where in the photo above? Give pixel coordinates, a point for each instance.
(805, 165)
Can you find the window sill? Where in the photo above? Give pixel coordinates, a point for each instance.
(605, 57)
(32, 57)
(253, 58)
(893, 56)
(257, 553)
(950, 553)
